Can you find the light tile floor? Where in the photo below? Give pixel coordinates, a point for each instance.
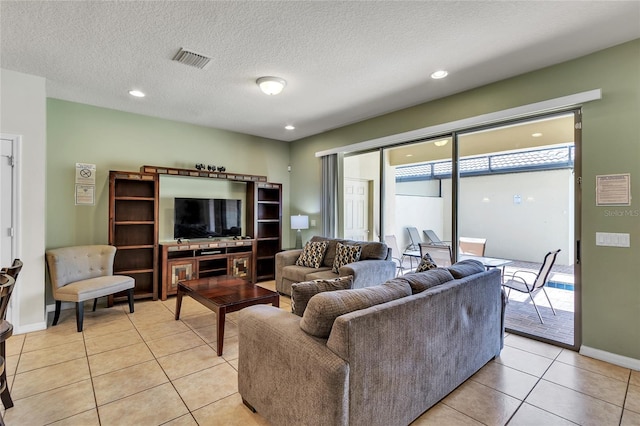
(148, 369)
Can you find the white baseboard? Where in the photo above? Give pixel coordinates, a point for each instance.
(29, 328)
(611, 358)
(65, 305)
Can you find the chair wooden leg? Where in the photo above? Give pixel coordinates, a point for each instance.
(5, 396)
(95, 303)
(56, 315)
(130, 296)
(79, 315)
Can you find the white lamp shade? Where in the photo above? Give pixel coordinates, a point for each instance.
(299, 222)
(271, 85)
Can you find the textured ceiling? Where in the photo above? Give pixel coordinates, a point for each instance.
(344, 61)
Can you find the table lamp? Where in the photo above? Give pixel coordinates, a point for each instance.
(299, 222)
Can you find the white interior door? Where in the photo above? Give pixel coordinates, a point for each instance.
(356, 209)
(7, 209)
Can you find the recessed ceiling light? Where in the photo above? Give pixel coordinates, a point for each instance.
(439, 74)
(442, 142)
(409, 155)
(137, 93)
(536, 135)
(289, 127)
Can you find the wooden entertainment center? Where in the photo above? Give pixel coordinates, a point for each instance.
(133, 229)
(201, 259)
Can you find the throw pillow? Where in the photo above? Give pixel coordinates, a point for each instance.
(427, 279)
(344, 255)
(324, 308)
(312, 254)
(426, 263)
(464, 268)
(302, 292)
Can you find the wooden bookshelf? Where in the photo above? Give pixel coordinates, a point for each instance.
(264, 223)
(133, 230)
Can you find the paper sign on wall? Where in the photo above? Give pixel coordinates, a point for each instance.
(613, 190)
(85, 184)
(85, 174)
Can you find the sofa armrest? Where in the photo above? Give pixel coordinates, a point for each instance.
(367, 273)
(287, 375)
(284, 258)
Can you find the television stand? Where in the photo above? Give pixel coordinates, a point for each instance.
(205, 258)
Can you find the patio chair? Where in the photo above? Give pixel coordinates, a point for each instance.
(518, 282)
(433, 239)
(440, 254)
(472, 246)
(399, 258)
(414, 237)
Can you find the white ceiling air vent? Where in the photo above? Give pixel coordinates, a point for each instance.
(192, 59)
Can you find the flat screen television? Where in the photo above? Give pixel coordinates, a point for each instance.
(207, 218)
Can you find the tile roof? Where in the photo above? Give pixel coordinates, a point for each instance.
(509, 162)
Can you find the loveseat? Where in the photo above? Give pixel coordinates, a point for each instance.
(374, 266)
(378, 355)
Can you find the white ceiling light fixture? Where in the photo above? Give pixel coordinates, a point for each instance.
(443, 142)
(137, 93)
(439, 74)
(289, 127)
(271, 85)
(536, 135)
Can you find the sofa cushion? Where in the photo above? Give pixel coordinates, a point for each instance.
(374, 250)
(298, 274)
(302, 292)
(466, 267)
(324, 308)
(426, 263)
(346, 254)
(313, 254)
(323, 273)
(421, 281)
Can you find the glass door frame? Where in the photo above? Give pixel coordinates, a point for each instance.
(455, 193)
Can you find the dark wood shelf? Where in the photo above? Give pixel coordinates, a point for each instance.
(265, 225)
(203, 174)
(135, 198)
(133, 230)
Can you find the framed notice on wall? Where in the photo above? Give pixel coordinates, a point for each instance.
(613, 190)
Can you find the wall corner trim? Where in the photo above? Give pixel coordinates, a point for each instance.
(611, 358)
(479, 120)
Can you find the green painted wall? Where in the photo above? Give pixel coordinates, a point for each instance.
(116, 140)
(611, 144)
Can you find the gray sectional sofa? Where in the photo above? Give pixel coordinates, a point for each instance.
(378, 355)
(374, 267)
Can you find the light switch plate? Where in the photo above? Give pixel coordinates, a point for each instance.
(613, 239)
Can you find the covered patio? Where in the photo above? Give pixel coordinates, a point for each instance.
(521, 315)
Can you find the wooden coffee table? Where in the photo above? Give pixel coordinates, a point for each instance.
(224, 294)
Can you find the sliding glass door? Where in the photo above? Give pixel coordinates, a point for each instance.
(504, 193)
(418, 191)
(516, 199)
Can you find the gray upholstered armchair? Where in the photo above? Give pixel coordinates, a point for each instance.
(82, 273)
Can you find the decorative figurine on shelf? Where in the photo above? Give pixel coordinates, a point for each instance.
(221, 169)
(200, 166)
(211, 168)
